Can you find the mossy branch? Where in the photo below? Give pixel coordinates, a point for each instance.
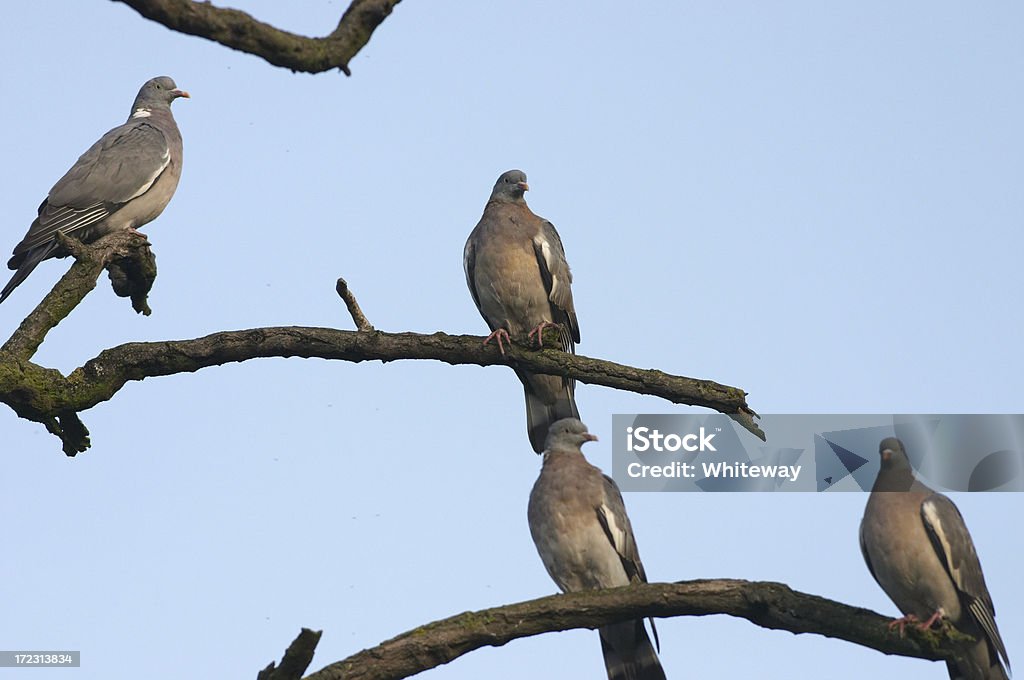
(132, 268)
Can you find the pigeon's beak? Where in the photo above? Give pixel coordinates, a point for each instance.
(886, 454)
(589, 437)
(181, 93)
(523, 185)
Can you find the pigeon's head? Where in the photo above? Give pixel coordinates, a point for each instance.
(567, 434)
(157, 93)
(510, 187)
(894, 456)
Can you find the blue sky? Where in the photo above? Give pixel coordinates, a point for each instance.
(817, 202)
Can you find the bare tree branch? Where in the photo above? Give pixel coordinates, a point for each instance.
(296, 658)
(41, 394)
(46, 396)
(240, 31)
(769, 605)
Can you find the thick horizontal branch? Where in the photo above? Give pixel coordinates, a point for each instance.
(769, 605)
(240, 31)
(46, 396)
(38, 393)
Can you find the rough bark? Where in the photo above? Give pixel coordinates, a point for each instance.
(769, 605)
(47, 396)
(240, 31)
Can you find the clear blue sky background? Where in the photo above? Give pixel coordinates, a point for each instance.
(818, 202)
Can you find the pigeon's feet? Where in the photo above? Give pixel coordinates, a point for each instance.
(498, 335)
(902, 622)
(539, 332)
(930, 622)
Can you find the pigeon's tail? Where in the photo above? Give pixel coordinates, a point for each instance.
(24, 265)
(980, 662)
(548, 398)
(628, 652)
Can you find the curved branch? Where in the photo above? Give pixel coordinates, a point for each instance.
(769, 605)
(240, 31)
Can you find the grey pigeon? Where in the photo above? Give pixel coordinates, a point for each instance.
(517, 273)
(579, 525)
(917, 547)
(123, 181)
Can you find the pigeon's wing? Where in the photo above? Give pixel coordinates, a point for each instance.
(612, 516)
(121, 166)
(955, 549)
(469, 265)
(554, 270)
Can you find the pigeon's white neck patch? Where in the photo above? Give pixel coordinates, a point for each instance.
(142, 113)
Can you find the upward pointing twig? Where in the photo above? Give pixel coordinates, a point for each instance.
(362, 323)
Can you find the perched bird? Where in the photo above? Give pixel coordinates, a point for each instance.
(579, 525)
(517, 273)
(123, 181)
(917, 547)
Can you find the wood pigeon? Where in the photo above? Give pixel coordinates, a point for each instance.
(520, 281)
(579, 525)
(917, 547)
(123, 181)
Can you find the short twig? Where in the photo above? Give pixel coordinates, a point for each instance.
(70, 244)
(296, 659)
(362, 323)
